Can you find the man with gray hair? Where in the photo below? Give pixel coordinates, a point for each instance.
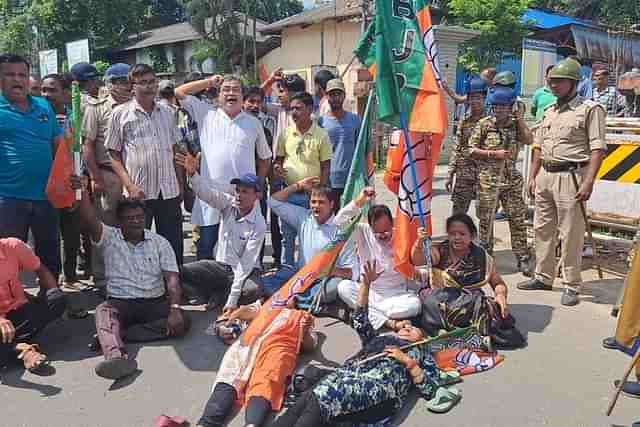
(232, 142)
(106, 188)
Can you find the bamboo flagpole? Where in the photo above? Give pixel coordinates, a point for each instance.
(408, 346)
(76, 120)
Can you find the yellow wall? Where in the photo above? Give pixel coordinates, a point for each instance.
(301, 46)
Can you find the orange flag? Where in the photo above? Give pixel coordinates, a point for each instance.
(58, 189)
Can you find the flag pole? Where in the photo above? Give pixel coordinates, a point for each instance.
(75, 124)
(408, 149)
(361, 136)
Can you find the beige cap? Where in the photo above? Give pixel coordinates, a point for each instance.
(335, 84)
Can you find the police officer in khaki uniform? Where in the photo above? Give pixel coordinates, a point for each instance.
(462, 167)
(88, 79)
(106, 186)
(570, 140)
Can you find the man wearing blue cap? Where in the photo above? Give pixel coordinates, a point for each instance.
(88, 79)
(241, 235)
(106, 186)
(495, 144)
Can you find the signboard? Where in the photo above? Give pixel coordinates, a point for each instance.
(48, 62)
(537, 55)
(78, 51)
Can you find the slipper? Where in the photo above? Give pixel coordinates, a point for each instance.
(630, 388)
(33, 360)
(444, 400)
(114, 369)
(447, 378)
(167, 421)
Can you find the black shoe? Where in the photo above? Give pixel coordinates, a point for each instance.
(524, 267)
(534, 285)
(114, 369)
(610, 343)
(570, 298)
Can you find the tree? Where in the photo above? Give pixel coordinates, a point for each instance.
(613, 13)
(500, 25)
(17, 34)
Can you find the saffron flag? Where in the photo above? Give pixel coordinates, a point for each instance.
(402, 44)
(628, 328)
(58, 191)
(318, 268)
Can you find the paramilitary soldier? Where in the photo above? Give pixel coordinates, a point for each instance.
(494, 144)
(570, 145)
(461, 166)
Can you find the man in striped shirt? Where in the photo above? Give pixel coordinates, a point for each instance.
(141, 139)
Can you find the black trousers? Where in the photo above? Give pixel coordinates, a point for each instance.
(208, 279)
(167, 215)
(72, 240)
(31, 318)
(306, 413)
(221, 403)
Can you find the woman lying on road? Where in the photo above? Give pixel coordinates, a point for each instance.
(375, 390)
(460, 270)
(256, 366)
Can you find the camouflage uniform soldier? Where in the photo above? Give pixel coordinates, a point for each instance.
(495, 144)
(461, 165)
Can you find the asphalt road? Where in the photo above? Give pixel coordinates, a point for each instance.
(563, 378)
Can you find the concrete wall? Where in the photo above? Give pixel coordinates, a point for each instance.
(301, 47)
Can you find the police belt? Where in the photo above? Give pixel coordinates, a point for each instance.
(555, 167)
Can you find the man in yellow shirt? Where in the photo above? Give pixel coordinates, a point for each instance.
(303, 150)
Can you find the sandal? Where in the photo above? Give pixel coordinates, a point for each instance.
(31, 357)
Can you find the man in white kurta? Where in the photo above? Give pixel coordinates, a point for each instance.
(392, 298)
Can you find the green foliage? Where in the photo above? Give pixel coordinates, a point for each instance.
(500, 25)
(101, 66)
(615, 13)
(17, 34)
(159, 60)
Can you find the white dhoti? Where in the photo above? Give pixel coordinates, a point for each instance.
(385, 302)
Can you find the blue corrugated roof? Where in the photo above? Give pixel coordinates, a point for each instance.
(547, 20)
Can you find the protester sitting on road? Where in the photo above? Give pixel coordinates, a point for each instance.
(390, 299)
(370, 392)
(141, 268)
(242, 232)
(459, 267)
(21, 319)
(277, 333)
(315, 227)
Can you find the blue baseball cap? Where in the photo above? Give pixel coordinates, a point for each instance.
(250, 180)
(117, 71)
(501, 95)
(477, 85)
(83, 71)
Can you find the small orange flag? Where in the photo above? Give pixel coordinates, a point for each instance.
(58, 189)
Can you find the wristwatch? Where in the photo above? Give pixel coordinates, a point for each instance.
(176, 306)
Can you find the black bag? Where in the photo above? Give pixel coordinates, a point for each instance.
(451, 308)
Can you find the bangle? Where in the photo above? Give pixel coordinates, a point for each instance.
(175, 307)
(489, 155)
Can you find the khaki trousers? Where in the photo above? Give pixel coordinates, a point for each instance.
(105, 205)
(558, 216)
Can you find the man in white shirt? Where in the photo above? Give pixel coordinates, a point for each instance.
(242, 232)
(230, 140)
(390, 298)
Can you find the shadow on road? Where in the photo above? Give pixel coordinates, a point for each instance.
(531, 317)
(602, 291)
